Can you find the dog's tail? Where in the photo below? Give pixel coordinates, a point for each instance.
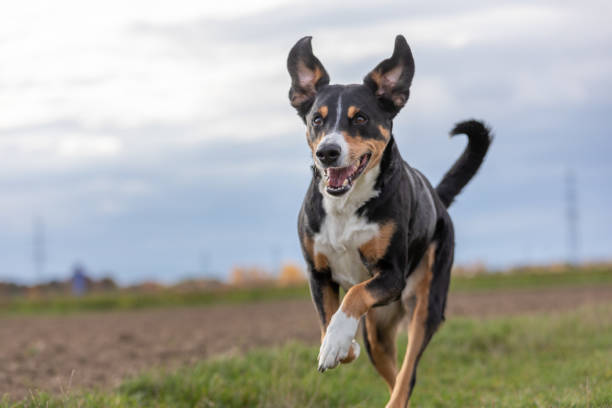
(479, 139)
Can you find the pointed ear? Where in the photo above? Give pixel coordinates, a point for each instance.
(307, 76)
(390, 80)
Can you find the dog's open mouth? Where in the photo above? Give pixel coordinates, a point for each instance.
(339, 180)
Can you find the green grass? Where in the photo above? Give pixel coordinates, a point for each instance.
(126, 300)
(530, 361)
(533, 279)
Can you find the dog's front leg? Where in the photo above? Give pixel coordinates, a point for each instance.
(325, 296)
(338, 343)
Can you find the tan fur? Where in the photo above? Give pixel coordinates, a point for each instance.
(318, 259)
(378, 80)
(358, 300)
(313, 144)
(331, 302)
(384, 132)
(317, 75)
(349, 358)
(416, 331)
(320, 262)
(382, 348)
(376, 248)
(352, 111)
(308, 246)
(323, 110)
(358, 146)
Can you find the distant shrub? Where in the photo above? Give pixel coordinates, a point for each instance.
(291, 274)
(249, 276)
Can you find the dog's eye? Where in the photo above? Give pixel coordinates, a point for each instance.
(317, 120)
(360, 119)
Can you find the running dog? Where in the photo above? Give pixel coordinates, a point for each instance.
(370, 223)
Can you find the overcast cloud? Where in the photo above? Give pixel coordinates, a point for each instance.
(157, 141)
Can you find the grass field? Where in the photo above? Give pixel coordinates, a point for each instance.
(562, 360)
(125, 300)
(532, 279)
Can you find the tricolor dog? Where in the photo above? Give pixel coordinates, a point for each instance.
(370, 223)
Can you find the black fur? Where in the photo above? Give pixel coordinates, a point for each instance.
(479, 139)
(302, 94)
(393, 97)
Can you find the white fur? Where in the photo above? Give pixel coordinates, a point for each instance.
(337, 138)
(338, 340)
(343, 231)
(338, 112)
(348, 203)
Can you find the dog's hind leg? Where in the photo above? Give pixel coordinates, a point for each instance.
(428, 297)
(379, 332)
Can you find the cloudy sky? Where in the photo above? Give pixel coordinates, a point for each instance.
(156, 141)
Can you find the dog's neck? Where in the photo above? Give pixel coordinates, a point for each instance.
(390, 164)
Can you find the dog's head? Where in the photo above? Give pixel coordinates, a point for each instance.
(348, 126)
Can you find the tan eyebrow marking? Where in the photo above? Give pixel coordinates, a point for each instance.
(352, 110)
(323, 111)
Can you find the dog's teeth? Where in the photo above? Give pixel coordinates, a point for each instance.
(346, 181)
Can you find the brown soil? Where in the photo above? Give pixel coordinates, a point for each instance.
(98, 350)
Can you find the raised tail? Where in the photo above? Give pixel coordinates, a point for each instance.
(479, 139)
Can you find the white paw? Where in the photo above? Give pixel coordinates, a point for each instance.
(338, 340)
(356, 349)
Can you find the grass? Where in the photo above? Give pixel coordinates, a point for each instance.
(533, 279)
(124, 300)
(562, 360)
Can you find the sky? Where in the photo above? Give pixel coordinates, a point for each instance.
(155, 140)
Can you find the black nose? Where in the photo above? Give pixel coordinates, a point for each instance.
(328, 153)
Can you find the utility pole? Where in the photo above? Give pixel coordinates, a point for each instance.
(572, 218)
(38, 247)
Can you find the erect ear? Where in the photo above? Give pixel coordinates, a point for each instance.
(307, 76)
(391, 79)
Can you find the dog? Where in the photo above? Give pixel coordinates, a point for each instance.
(370, 223)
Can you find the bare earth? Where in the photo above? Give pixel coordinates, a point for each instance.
(98, 350)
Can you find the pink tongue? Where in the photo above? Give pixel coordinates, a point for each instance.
(338, 175)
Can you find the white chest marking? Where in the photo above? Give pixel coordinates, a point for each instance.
(343, 231)
(339, 240)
